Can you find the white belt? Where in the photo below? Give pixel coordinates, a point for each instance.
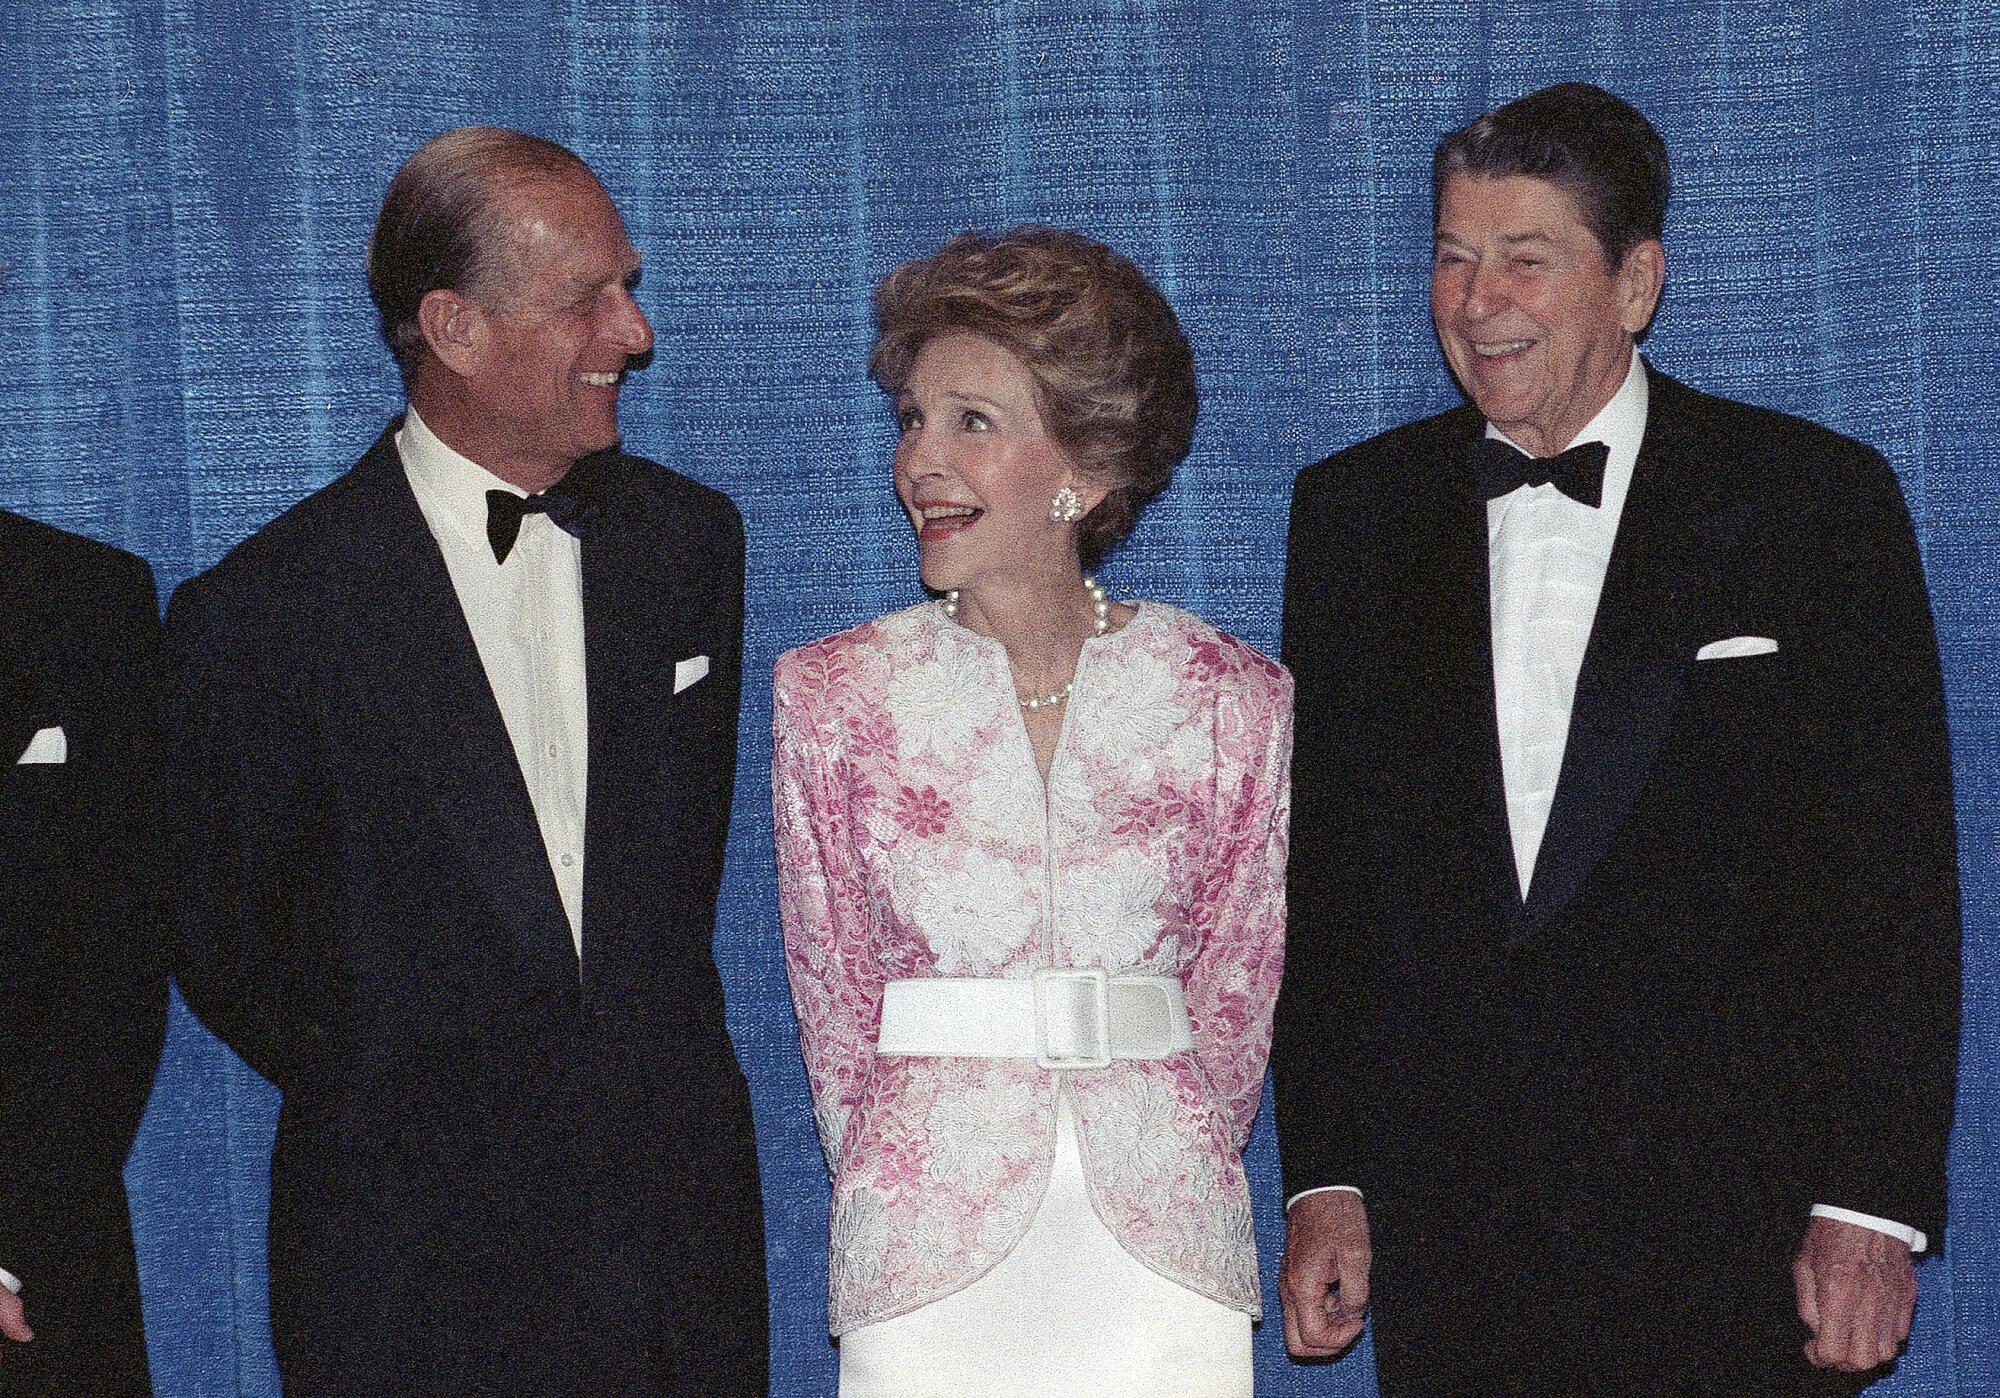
(1065, 1017)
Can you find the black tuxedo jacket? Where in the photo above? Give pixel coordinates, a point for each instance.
(492, 1174)
(1732, 990)
(82, 981)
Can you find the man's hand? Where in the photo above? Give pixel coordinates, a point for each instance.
(13, 1320)
(1323, 1280)
(1857, 1291)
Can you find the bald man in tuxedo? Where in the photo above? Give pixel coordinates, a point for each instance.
(456, 740)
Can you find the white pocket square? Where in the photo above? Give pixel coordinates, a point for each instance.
(687, 672)
(49, 745)
(1737, 646)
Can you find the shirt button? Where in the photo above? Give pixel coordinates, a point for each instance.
(552, 749)
(568, 860)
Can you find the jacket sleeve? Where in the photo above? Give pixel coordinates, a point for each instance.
(1232, 983)
(240, 745)
(822, 907)
(1884, 942)
(1321, 1067)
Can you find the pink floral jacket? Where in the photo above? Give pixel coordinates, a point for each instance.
(915, 838)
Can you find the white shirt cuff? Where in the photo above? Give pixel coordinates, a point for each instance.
(1355, 1190)
(10, 1281)
(1900, 1231)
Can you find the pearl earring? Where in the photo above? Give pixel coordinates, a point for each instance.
(1067, 507)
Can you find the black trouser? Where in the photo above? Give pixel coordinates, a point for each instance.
(1592, 1295)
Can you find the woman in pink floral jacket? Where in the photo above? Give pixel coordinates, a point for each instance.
(1031, 849)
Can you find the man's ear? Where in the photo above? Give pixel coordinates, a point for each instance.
(454, 328)
(1641, 277)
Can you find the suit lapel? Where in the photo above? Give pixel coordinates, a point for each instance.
(19, 719)
(415, 662)
(17, 713)
(17, 691)
(1450, 625)
(1635, 661)
(638, 615)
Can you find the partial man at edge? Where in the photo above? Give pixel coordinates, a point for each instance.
(83, 995)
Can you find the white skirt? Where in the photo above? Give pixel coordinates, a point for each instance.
(1069, 1312)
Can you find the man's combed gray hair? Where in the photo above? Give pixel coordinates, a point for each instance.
(1596, 147)
(443, 227)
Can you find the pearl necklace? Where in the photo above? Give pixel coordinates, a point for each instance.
(1100, 606)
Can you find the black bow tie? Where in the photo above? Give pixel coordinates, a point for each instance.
(505, 511)
(1577, 473)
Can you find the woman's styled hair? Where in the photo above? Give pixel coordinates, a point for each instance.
(1114, 378)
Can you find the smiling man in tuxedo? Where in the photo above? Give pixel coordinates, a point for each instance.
(83, 988)
(456, 739)
(1616, 1047)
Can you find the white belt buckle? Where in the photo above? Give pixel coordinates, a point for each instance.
(1047, 980)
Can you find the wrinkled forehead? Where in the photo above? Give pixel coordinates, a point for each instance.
(1507, 207)
(565, 224)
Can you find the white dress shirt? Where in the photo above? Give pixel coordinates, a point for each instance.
(1546, 556)
(526, 618)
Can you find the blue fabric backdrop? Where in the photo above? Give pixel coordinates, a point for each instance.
(186, 347)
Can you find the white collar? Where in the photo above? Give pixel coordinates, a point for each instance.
(452, 485)
(1619, 424)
